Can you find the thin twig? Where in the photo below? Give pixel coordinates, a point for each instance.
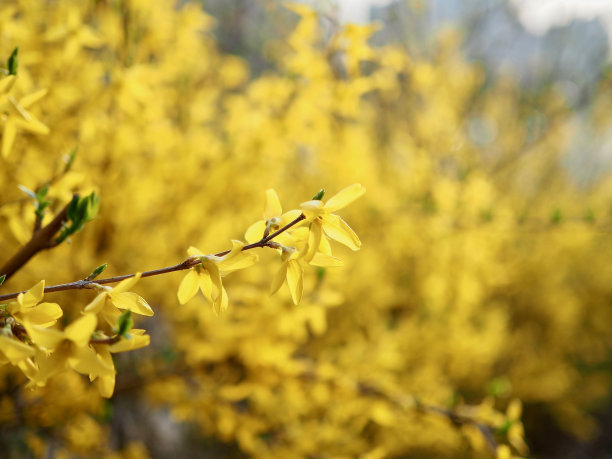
(187, 264)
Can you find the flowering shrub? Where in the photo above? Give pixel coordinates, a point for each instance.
(481, 281)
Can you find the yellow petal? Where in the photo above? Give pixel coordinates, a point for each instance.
(79, 331)
(295, 280)
(241, 261)
(86, 361)
(194, 252)
(8, 136)
(344, 197)
(273, 206)
(106, 385)
(288, 217)
(126, 284)
(96, 305)
(47, 338)
(32, 296)
(131, 301)
(7, 83)
(255, 232)
(30, 99)
(135, 341)
(314, 240)
(188, 287)
(106, 382)
(312, 208)
(43, 314)
(15, 351)
(337, 229)
(206, 286)
(325, 261)
(279, 279)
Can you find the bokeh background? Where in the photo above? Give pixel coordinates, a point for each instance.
(484, 138)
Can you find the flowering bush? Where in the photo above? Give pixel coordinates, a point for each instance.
(481, 281)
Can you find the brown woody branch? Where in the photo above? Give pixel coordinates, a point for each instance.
(42, 239)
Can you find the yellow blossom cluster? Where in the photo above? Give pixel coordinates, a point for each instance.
(481, 287)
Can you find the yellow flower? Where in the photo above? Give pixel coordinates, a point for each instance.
(323, 220)
(274, 219)
(69, 348)
(14, 114)
(292, 271)
(28, 306)
(108, 303)
(207, 275)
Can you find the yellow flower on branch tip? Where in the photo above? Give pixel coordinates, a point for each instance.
(207, 275)
(28, 306)
(108, 303)
(274, 219)
(322, 220)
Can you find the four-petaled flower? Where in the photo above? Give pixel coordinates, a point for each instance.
(207, 275)
(323, 220)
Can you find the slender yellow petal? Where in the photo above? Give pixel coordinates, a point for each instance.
(96, 305)
(288, 217)
(79, 331)
(133, 302)
(194, 252)
(215, 277)
(7, 83)
(126, 284)
(106, 385)
(344, 197)
(312, 208)
(43, 314)
(222, 301)
(295, 280)
(325, 246)
(106, 382)
(86, 361)
(14, 350)
(241, 261)
(47, 338)
(279, 278)
(136, 341)
(314, 239)
(32, 296)
(206, 286)
(32, 98)
(49, 366)
(273, 206)
(8, 136)
(255, 232)
(325, 261)
(337, 229)
(188, 287)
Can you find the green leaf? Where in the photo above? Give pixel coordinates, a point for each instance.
(69, 159)
(125, 323)
(319, 195)
(13, 62)
(79, 211)
(96, 272)
(2, 279)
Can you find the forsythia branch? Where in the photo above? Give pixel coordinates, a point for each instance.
(88, 284)
(42, 239)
